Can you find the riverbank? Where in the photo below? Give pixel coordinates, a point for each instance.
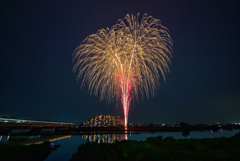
(33, 129)
(21, 152)
(167, 149)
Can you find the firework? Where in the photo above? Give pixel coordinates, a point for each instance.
(125, 62)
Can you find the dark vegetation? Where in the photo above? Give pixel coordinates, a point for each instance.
(167, 149)
(20, 152)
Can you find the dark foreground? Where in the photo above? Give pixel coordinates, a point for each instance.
(20, 152)
(157, 148)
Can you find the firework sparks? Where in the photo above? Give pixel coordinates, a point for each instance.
(125, 61)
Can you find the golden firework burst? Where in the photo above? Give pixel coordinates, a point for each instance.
(126, 60)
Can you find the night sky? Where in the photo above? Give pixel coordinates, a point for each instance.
(38, 39)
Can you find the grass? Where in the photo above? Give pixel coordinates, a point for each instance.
(167, 149)
(20, 152)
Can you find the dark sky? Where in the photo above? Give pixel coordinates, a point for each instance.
(38, 39)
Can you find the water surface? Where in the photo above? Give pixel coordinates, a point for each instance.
(69, 144)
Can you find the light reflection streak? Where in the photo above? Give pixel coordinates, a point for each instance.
(104, 138)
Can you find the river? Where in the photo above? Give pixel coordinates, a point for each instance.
(69, 144)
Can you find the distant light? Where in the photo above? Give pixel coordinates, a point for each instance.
(6, 121)
(163, 124)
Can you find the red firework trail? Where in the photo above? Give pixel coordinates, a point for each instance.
(126, 88)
